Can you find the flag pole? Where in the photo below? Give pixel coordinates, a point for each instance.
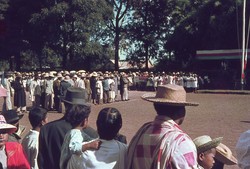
(243, 46)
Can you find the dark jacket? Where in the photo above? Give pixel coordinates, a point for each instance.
(19, 94)
(64, 85)
(50, 141)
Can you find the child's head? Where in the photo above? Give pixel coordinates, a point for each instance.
(78, 115)
(206, 150)
(38, 117)
(109, 122)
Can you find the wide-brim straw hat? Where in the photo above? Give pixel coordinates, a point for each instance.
(169, 94)
(225, 155)
(51, 74)
(46, 75)
(204, 143)
(76, 95)
(5, 127)
(94, 74)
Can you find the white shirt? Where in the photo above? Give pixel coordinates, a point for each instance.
(111, 154)
(30, 146)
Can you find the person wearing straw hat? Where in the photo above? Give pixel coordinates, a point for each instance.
(49, 91)
(52, 134)
(223, 156)
(162, 143)
(206, 150)
(11, 153)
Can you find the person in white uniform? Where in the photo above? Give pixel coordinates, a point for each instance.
(111, 153)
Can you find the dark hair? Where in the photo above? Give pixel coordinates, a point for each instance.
(174, 112)
(109, 122)
(36, 116)
(77, 113)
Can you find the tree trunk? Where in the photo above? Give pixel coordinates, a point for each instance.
(117, 45)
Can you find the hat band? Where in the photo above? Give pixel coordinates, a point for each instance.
(76, 101)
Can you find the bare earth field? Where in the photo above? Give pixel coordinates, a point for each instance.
(226, 115)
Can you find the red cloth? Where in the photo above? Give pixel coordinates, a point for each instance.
(15, 156)
(3, 92)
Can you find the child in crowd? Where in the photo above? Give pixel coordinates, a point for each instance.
(112, 153)
(73, 140)
(206, 150)
(38, 118)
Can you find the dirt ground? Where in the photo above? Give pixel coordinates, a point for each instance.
(225, 115)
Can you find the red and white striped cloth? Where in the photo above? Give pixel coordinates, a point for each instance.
(3, 91)
(161, 144)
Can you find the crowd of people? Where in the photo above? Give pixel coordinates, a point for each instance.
(47, 88)
(69, 142)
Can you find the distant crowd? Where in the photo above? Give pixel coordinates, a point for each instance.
(47, 88)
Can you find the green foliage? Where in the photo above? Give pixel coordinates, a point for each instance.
(85, 34)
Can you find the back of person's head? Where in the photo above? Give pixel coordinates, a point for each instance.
(36, 116)
(77, 113)
(174, 112)
(109, 122)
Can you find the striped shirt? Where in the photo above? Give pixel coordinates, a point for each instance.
(161, 144)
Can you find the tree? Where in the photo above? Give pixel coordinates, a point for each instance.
(149, 29)
(72, 28)
(204, 25)
(14, 16)
(118, 23)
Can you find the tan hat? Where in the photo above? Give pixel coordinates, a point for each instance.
(51, 74)
(5, 127)
(59, 75)
(169, 94)
(94, 74)
(225, 155)
(46, 75)
(81, 71)
(204, 143)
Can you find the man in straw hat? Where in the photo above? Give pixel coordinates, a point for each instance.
(206, 150)
(161, 143)
(52, 134)
(11, 153)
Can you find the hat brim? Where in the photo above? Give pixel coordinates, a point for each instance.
(222, 157)
(7, 128)
(76, 102)
(17, 118)
(209, 145)
(151, 98)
